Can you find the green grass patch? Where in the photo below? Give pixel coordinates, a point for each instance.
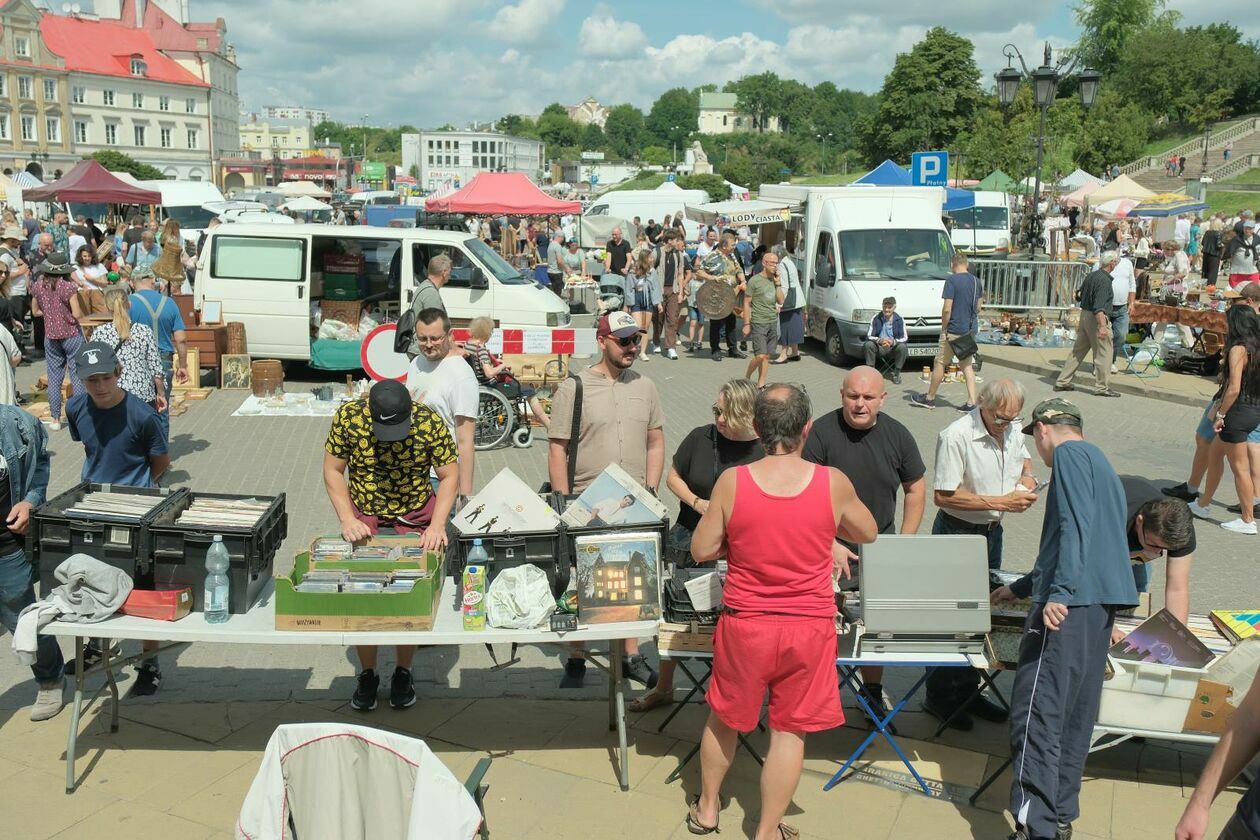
(1163, 145)
(1231, 202)
(1251, 176)
(649, 181)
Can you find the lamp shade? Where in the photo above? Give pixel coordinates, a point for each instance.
(1045, 86)
(1089, 80)
(1008, 85)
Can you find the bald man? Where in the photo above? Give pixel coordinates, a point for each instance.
(879, 456)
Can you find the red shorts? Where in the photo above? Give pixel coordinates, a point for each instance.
(792, 657)
(409, 523)
(1236, 280)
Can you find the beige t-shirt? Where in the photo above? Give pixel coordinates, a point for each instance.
(617, 414)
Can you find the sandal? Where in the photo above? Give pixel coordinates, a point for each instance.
(693, 820)
(786, 832)
(649, 701)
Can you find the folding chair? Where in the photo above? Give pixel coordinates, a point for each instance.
(1141, 359)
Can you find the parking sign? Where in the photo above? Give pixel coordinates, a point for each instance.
(929, 169)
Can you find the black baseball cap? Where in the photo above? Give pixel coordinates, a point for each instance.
(93, 358)
(390, 405)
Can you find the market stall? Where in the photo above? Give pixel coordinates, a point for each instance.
(89, 182)
(501, 192)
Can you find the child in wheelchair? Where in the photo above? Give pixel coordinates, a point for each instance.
(491, 373)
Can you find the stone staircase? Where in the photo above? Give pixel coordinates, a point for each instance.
(1149, 171)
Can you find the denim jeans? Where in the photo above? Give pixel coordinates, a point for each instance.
(17, 591)
(164, 417)
(1119, 329)
(1141, 576)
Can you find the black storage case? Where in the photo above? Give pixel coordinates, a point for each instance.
(538, 548)
(119, 542)
(179, 551)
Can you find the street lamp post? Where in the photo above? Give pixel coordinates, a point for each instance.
(365, 119)
(1045, 82)
(823, 160)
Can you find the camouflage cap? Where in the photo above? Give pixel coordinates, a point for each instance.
(1056, 411)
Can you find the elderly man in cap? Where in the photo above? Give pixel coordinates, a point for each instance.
(1080, 578)
(621, 422)
(377, 463)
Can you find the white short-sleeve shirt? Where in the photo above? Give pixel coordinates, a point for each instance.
(969, 458)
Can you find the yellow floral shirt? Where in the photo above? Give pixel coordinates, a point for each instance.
(389, 479)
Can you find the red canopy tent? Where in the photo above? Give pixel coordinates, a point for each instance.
(89, 182)
(501, 192)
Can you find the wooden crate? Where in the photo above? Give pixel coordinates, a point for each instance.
(683, 638)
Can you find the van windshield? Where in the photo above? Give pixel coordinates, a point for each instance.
(190, 216)
(980, 218)
(896, 254)
(499, 267)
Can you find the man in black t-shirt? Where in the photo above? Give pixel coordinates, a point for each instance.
(1159, 525)
(880, 457)
(618, 259)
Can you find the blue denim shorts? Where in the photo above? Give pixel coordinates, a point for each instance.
(1206, 431)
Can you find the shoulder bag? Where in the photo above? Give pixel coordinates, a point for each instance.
(574, 429)
(964, 346)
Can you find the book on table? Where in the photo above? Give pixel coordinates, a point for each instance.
(1236, 624)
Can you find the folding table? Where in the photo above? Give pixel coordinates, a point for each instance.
(849, 667)
(258, 627)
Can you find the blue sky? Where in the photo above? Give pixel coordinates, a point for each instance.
(428, 62)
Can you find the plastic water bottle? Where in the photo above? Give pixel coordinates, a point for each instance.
(477, 555)
(217, 584)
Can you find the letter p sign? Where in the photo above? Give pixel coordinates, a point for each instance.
(929, 169)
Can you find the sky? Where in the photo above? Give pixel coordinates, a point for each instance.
(430, 62)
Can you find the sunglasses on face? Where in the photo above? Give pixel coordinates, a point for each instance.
(718, 411)
(631, 341)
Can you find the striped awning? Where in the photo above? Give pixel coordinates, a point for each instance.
(26, 180)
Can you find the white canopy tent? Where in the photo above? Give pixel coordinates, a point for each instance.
(754, 212)
(302, 188)
(306, 202)
(1076, 180)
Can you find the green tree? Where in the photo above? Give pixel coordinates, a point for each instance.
(554, 109)
(929, 97)
(714, 185)
(514, 124)
(655, 155)
(593, 138)
(1115, 130)
(757, 96)
(624, 129)
(558, 130)
(118, 162)
(674, 116)
(793, 106)
(1108, 28)
(835, 112)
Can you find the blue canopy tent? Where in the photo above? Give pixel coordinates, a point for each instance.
(889, 174)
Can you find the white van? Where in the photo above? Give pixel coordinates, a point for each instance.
(363, 199)
(666, 200)
(267, 276)
(984, 228)
(857, 245)
(184, 201)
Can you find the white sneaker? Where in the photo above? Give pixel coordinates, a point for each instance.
(671, 353)
(1200, 511)
(1239, 527)
(644, 356)
(54, 426)
(1113, 367)
(49, 700)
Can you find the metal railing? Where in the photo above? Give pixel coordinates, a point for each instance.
(1029, 284)
(1236, 166)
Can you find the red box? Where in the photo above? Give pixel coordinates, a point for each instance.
(164, 605)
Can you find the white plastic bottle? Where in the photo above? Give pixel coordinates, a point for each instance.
(217, 583)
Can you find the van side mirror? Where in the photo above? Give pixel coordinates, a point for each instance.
(477, 280)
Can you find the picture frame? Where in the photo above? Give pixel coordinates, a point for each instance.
(192, 357)
(235, 373)
(211, 312)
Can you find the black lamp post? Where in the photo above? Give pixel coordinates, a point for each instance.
(1045, 83)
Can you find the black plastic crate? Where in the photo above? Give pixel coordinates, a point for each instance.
(119, 542)
(543, 549)
(179, 551)
(676, 603)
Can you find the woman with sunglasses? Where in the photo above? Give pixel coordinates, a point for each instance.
(703, 455)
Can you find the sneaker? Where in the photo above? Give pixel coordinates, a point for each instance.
(91, 656)
(743, 345)
(54, 426)
(961, 721)
(717, 355)
(1182, 491)
(574, 673)
(643, 357)
(148, 679)
(922, 401)
(1019, 834)
(401, 692)
(1239, 527)
(652, 348)
(1064, 388)
(1106, 392)
(985, 709)
(671, 353)
(736, 354)
(636, 668)
(1200, 511)
(49, 700)
(364, 699)
(896, 377)
(1113, 368)
(1063, 831)
(966, 408)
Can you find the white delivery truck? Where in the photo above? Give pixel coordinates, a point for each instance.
(984, 228)
(858, 244)
(666, 200)
(184, 201)
(267, 276)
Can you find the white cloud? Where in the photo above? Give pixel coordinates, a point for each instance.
(525, 22)
(603, 36)
(962, 18)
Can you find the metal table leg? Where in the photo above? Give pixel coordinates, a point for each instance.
(986, 681)
(75, 712)
(849, 675)
(618, 681)
(696, 685)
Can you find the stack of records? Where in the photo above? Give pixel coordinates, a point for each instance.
(129, 506)
(223, 513)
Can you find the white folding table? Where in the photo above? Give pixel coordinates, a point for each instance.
(257, 627)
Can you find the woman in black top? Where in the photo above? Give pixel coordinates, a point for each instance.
(1237, 415)
(1211, 249)
(703, 455)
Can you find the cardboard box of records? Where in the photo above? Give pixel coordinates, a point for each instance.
(387, 582)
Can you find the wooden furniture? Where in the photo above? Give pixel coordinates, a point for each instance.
(210, 340)
(186, 311)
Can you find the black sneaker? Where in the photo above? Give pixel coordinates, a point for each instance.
(1182, 491)
(717, 355)
(1063, 831)
(1018, 834)
(574, 673)
(148, 679)
(636, 668)
(985, 709)
(735, 354)
(401, 692)
(364, 699)
(91, 656)
(961, 721)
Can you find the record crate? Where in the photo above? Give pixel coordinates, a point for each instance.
(518, 548)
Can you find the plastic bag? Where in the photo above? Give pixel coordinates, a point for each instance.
(519, 598)
(337, 331)
(366, 324)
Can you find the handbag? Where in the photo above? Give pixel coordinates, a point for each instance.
(964, 346)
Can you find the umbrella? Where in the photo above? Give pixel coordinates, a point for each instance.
(306, 202)
(1168, 204)
(1118, 207)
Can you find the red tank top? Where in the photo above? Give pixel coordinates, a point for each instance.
(779, 549)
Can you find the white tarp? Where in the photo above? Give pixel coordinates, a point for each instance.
(755, 212)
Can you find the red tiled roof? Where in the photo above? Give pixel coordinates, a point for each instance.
(168, 33)
(105, 48)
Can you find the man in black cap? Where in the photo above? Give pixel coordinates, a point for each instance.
(124, 444)
(1079, 580)
(377, 459)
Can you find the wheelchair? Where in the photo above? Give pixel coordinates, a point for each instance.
(500, 418)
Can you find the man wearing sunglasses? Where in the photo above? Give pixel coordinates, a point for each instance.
(983, 471)
(621, 422)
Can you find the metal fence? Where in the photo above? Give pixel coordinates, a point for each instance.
(1028, 284)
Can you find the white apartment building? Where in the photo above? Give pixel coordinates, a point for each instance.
(452, 158)
(280, 138)
(314, 116)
